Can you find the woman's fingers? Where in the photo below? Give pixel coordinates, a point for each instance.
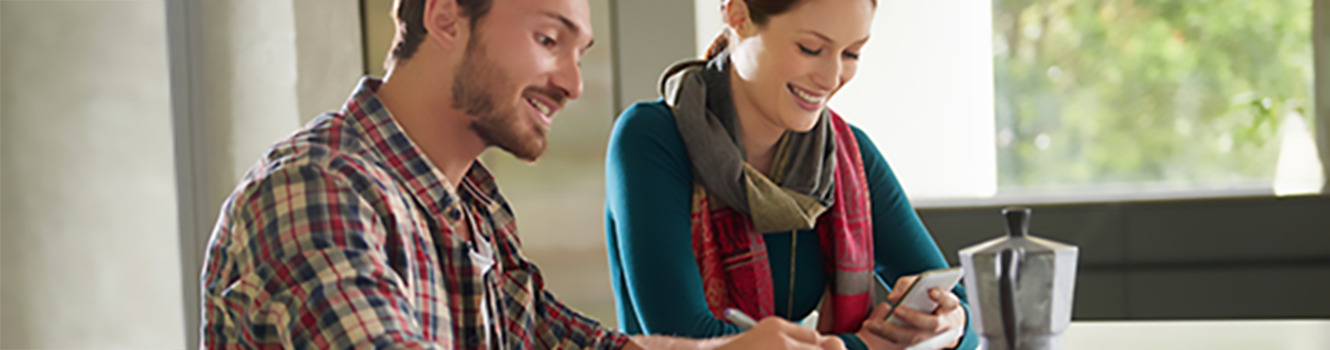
(902, 284)
(946, 301)
(922, 321)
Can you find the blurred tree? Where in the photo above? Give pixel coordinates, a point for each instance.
(1186, 93)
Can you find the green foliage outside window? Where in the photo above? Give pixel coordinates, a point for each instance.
(1186, 93)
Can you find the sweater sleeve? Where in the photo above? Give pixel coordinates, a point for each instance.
(901, 244)
(648, 184)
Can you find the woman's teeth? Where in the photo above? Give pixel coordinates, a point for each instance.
(806, 97)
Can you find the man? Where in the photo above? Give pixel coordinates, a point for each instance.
(376, 227)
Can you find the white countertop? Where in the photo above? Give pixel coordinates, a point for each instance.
(1212, 335)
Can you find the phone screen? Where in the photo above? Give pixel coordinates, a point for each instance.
(916, 295)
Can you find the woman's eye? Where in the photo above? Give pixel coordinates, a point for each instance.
(806, 51)
(851, 55)
(544, 40)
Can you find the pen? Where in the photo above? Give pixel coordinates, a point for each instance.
(739, 318)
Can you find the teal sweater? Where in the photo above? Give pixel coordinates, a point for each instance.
(649, 179)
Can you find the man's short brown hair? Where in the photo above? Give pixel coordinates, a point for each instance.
(409, 15)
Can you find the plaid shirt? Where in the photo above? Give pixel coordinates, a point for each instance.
(343, 237)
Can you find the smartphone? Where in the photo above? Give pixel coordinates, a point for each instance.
(916, 295)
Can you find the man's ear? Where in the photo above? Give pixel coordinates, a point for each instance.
(736, 18)
(443, 22)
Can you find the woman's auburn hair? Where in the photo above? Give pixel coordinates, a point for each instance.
(760, 12)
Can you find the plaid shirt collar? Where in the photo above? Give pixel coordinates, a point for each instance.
(409, 164)
(511, 296)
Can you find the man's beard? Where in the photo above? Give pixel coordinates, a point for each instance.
(476, 86)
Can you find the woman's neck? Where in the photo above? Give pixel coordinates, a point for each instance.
(757, 131)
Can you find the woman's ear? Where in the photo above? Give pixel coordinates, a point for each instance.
(736, 18)
(443, 23)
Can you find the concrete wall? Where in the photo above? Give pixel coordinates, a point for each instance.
(1321, 50)
(246, 73)
(123, 125)
(90, 255)
(648, 36)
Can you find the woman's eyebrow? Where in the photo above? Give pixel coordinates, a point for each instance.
(826, 38)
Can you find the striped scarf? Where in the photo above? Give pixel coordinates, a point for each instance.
(727, 238)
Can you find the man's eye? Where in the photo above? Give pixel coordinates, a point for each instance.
(545, 40)
(809, 52)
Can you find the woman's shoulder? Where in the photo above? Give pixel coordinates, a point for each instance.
(648, 115)
(647, 122)
(869, 154)
(645, 145)
(860, 137)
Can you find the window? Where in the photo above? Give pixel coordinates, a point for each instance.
(1154, 94)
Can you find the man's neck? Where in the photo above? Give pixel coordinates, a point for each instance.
(423, 108)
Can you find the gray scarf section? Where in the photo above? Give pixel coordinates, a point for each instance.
(801, 182)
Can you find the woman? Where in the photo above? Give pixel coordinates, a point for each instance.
(740, 189)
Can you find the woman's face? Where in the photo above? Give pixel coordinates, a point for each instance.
(790, 67)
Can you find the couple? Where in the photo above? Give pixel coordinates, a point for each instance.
(376, 227)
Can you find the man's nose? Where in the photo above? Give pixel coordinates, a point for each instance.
(568, 77)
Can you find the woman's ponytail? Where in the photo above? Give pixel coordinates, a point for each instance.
(717, 46)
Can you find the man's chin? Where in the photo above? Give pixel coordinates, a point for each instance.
(527, 148)
(526, 153)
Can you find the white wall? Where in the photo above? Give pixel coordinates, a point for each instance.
(917, 92)
(90, 256)
(328, 54)
(927, 100)
(708, 17)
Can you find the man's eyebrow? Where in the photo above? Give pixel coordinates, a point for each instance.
(572, 27)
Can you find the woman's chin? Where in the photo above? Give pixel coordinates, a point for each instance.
(802, 121)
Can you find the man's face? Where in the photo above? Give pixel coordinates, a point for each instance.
(521, 66)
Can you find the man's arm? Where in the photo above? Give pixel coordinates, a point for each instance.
(297, 261)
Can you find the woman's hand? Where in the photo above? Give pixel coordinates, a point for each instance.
(874, 321)
(772, 333)
(949, 315)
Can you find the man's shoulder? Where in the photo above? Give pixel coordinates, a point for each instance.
(322, 142)
(324, 153)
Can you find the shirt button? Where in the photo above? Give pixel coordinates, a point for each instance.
(472, 340)
(455, 214)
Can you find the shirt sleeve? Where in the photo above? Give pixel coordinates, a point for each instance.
(648, 194)
(901, 244)
(296, 261)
